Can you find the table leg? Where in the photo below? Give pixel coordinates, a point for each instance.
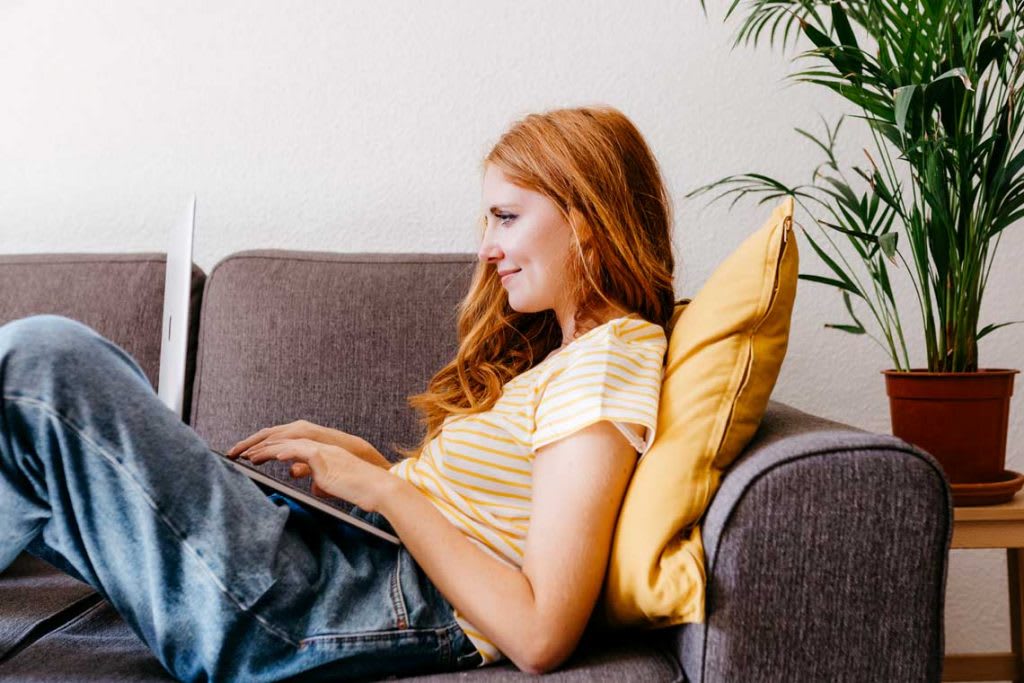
(1016, 590)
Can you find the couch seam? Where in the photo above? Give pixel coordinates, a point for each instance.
(664, 649)
(406, 260)
(147, 258)
(200, 352)
(190, 381)
(54, 623)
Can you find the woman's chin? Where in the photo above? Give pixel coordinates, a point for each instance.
(521, 307)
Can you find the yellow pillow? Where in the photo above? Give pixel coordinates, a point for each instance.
(724, 354)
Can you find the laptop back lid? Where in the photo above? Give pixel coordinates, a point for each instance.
(177, 290)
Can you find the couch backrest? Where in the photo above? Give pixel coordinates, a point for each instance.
(337, 339)
(119, 295)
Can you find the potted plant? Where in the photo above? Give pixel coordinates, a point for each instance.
(940, 90)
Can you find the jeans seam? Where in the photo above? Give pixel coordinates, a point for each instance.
(446, 637)
(397, 598)
(152, 503)
(443, 634)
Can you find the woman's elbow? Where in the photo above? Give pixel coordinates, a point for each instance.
(537, 667)
(548, 655)
(542, 668)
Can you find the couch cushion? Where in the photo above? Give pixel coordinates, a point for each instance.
(337, 339)
(725, 351)
(99, 646)
(625, 657)
(36, 597)
(121, 296)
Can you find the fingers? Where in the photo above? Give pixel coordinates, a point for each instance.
(249, 442)
(295, 428)
(310, 462)
(260, 453)
(278, 449)
(258, 438)
(301, 469)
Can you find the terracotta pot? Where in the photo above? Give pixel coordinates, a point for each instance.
(961, 418)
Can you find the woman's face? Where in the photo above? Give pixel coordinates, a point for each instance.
(525, 233)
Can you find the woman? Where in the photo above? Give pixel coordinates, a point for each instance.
(505, 509)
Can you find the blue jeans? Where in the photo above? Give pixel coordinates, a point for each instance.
(222, 583)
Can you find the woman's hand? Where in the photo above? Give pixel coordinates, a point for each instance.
(336, 471)
(303, 429)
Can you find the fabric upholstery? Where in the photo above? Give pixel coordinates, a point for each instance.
(98, 646)
(337, 339)
(35, 597)
(121, 296)
(822, 539)
(725, 351)
(627, 657)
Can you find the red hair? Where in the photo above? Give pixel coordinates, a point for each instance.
(595, 166)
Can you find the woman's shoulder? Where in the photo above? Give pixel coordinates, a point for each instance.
(630, 333)
(629, 338)
(636, 330)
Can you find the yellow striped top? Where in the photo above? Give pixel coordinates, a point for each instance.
(478, 470)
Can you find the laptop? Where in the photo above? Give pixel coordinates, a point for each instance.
(177, 292)
(334, 507)
(173, 355)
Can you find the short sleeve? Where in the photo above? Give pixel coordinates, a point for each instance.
(605, 379)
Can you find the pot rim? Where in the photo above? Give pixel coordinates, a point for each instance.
(921, 372)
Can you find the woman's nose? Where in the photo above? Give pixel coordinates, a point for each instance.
(489, 249)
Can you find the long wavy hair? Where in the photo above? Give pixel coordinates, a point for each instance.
(595, 166)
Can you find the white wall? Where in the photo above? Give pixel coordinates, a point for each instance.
(349, 126)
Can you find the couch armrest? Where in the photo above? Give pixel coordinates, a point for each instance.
(826, 552)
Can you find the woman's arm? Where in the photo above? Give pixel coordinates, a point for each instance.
(495, 596)
(537, 614)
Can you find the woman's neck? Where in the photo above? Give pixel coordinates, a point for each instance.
(597, 322)
(569, 331)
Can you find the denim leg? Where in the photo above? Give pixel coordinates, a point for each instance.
(220, 582)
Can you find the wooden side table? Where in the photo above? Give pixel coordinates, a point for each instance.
(993, 526)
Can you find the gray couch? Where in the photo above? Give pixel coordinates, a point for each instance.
(826, 546)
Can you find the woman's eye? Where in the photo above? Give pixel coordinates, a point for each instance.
(504, 218)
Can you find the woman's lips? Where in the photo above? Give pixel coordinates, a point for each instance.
(506, 276)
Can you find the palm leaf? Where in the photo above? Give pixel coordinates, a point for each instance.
(992, 328)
